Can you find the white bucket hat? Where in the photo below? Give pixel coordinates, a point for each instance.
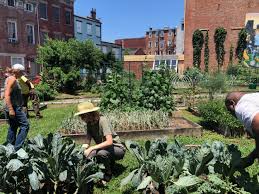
(86, 107)
(18, 67)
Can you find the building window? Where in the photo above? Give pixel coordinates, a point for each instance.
(29, 7)
(156, 44)
(68, 17)
(98, 31)
(43, 37)
(170, 33)
(56, 14)
(169, 52)
(169, 43)
(89, 29)
(161, 33)
(162, 44)
(150, 44)
(79, 27)
(11, 3)
(30, 34)
(68, 2)
(182, 27)
(15, 60)
(156, 64)
(174, 63)
(12, 31)
(43, 11)
(150, 34)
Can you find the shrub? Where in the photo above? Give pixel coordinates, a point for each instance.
(45, 92)
(72, 125)
(216, 116)
(2, 116)
(156, 90)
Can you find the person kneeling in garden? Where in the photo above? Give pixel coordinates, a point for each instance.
(245, 107)
(108, 146)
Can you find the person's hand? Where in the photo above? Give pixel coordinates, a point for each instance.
(11, 113)
(88, 151)
(85, 146)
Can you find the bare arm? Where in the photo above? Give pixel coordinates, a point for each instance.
(7, 95)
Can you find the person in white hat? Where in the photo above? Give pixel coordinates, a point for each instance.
(13, 108)
(108, 147)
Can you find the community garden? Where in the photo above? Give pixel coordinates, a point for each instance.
(171, 161)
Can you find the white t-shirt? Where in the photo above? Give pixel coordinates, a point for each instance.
(246, 109)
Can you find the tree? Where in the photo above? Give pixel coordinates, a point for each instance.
(197, 43)
(241, 44)
(206, 52)
(219, 39)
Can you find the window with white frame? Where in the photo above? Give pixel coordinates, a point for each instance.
(162, 44)
(161, 33)
(28, 7)
(98, 31)
(43, 11)
(30, 34)
(170, 33)
(79, 26)
(12, 30)
(11, 3)
(150, 34)
(89, 29)
(150, 44)
(169, 43)
(17, 60)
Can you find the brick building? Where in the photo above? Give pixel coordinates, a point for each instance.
(161, 41)
(207, 16)
(24, 21)
(133, 45)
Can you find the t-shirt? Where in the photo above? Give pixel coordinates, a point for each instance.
(246, 109)
(98, 131)
(24, 85)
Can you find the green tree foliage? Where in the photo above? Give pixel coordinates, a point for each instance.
(197, 43)
(206, 52)
(241, 44)
(219, 39)
(231, 55)
(62, 60)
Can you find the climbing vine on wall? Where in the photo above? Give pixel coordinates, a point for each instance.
(241, 44)
(231, 55)
(197, 43)
(219, 39)
(206, 52)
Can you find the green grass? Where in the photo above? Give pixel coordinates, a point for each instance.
(54, 115)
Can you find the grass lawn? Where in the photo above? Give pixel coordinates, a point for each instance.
(53, 115)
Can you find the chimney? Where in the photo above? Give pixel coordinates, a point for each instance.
(93, 14)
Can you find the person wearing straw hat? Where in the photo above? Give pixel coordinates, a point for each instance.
(108, 147)
(13, 108)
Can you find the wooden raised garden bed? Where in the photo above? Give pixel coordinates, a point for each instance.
(178, 126)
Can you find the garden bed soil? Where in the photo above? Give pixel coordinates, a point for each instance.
(178, 126)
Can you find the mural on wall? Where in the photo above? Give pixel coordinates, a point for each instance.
(251, 53)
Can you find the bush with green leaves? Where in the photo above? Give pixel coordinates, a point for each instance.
(45, 92)
(173, 168)
(216, 116)
(2, 116)
(72, 125)
(119, 91)
(156, 90)
(46, 165)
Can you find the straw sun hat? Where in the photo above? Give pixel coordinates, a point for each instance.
(86, 107)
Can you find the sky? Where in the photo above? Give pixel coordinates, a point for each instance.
(132, 18)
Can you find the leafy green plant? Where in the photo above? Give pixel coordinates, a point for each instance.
(45, 92)
(46, 165)
(156, 90)
(197, 43)
(206, 52)
(216, 116)
(72, 125)
(241, 44)
(2, 116)
(231, 55)
(219, 39)
(173, 168)
(137, 119)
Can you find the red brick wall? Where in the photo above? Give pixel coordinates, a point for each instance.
(136, 67)
(210, 14)
(51, 26)
(132, 43)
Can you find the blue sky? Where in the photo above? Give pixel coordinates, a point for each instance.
(132, 18)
